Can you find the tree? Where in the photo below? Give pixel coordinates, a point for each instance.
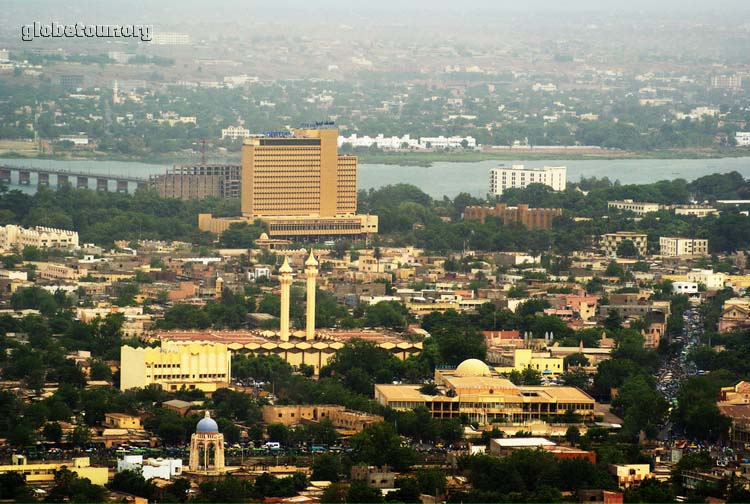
(573, 435)
(13, 487)
(334, 493)
(133, 482)
(69, 487)
(575, 360)
(627, 248)
(52, 432)
(80, 436)
(378, 444)
(327, 467)
(361, 492)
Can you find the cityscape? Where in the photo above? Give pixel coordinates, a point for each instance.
(409, 252)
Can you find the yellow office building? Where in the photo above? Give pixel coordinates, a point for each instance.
(205, 367)
(297, 184)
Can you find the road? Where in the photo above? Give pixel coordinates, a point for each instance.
(676, 368)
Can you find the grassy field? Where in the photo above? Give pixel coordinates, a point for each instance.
(18, 148)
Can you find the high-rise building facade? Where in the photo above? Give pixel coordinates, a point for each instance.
(302, 174)
(188, 182)
(298, 185)
(518, 177)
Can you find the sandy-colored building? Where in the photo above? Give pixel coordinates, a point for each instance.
(174, 365)
(298, 185)
(485, 397)
(297, 350)
(610, 241)
(682, 247)
(122, 421)
(44, 473)
(16, 237)
(340, 417)
(735, 314)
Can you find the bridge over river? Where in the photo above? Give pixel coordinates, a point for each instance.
(50, 177)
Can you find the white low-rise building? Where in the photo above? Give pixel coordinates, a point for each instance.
(16, 237)
(519, 177)
(234, 132)
(150, 468)
(742, 138)
(686, 288)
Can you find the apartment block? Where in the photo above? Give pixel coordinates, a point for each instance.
(611, 241)
(518, 177)
(532, 218)
(682, 247)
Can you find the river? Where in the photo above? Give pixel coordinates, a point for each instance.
(445, 178)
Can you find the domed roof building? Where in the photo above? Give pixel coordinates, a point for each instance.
(207, 424)
(472, 367)
(207, 446)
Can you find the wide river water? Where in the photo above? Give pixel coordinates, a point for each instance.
(444, 178)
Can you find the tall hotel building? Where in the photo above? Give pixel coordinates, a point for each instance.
(298, 185)
(519, 177)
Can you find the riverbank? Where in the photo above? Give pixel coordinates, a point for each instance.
(411, 158)
(426, 159)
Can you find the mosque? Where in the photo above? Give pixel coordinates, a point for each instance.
(310, 346)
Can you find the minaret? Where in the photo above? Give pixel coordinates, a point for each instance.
(285, 279)
(219, 288)
(311, 274)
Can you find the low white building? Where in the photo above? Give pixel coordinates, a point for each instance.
(150, 468)
(742, 138)
(234, 132)
(707, 277)
(453, 142)
(686, 288)
(637, 207)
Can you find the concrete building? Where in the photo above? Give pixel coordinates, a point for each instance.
(735, 314)
(699, 211)
(16, 237)
(122, 421)
(150, 468)
(235, 132)
(207, 447)
(170, 38)
(532, 218)
(637, 207)
(682, 247)
(687, 288)
(519, 177)
(174, 365)
(610, 241)
(189, 182)
(474, 390)
(630, 474)
(340, 417)
(742, 138)
(44, 473)
(524, 358)
(298, 186)
(724, 81)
